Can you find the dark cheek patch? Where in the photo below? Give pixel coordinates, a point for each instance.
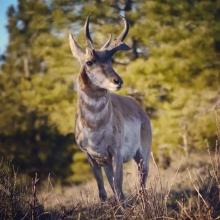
(102, 67)
(84, 77)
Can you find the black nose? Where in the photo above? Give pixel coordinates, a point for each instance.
(118, 81)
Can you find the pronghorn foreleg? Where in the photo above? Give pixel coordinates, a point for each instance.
(109, 174)
(117, 164)
(99, 178)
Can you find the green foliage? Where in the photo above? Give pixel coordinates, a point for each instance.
(80, 168)
(173, 70)
(180, 79)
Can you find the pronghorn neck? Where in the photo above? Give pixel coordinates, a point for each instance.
(94, 107)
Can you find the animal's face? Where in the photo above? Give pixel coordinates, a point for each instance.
(98, 66)
(98, 63)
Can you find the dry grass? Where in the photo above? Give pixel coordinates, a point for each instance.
(189, 189)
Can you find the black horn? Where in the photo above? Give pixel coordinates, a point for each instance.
(118, 43)
(87, 33)
(124, 33)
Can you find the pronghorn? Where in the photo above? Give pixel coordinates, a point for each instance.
(111, 129)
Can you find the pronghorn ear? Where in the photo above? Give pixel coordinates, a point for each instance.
(75, 48)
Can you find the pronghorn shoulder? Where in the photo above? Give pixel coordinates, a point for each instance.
(127, 105)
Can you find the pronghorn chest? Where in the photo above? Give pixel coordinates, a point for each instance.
(94, 131)
(96, 142)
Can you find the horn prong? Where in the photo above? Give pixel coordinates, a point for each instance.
(107, 43)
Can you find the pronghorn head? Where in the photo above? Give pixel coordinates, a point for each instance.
(97, 63)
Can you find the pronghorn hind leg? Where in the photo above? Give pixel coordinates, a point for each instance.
(142, 156)
(143, 168)
(99, 178)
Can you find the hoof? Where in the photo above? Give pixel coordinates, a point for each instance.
(103, 197)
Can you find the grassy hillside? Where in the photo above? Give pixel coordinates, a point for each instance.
(189, 189)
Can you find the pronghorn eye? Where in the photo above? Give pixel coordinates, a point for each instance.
(89, 63)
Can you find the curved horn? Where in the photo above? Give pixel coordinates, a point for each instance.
(125, 30)
(87, 33)
(107, 43)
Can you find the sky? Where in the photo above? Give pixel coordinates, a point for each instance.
(4, 4)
